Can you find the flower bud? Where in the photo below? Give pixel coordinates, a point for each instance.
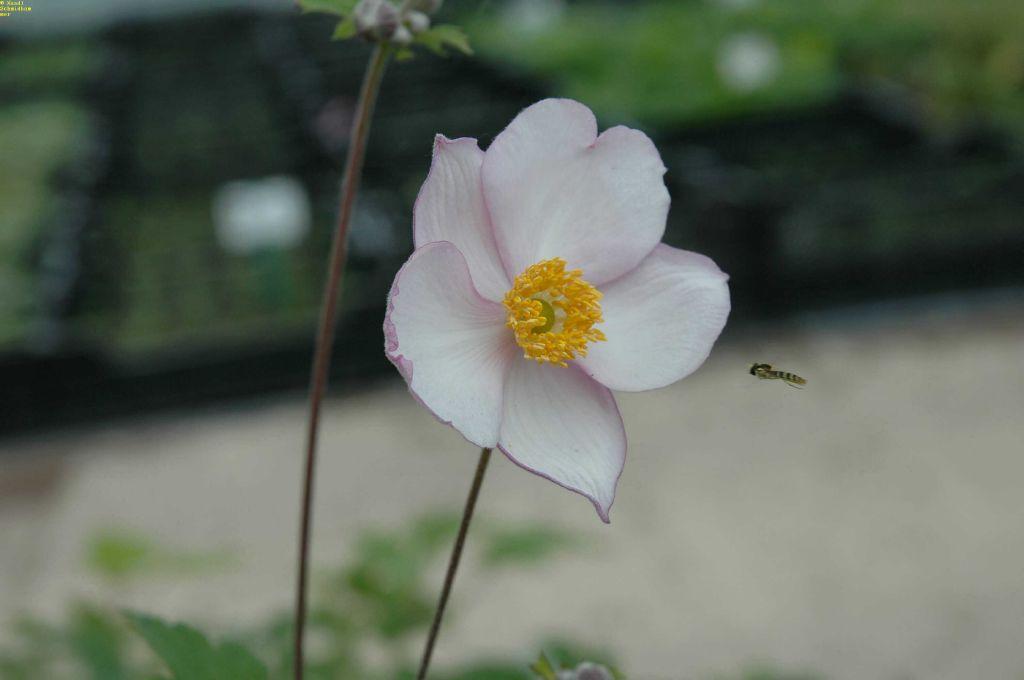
(586, 671)
(402, 36)
(417, 22)
(376, 19)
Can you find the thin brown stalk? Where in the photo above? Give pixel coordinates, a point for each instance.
(328, 322)
(453, 562)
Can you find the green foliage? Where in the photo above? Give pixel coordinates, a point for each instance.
(438, 38)
(661, 60)
(345, 29)
(188, 655)
(94, 644)
(34, 647)
(368, 616)
(529, 544)
(117, 555)
(543, 668)
(120, 554)
(49, 67)
(385, 585)
(564, 654)
(99, 643)
(384, 599)
(37, 138)
(341, 8)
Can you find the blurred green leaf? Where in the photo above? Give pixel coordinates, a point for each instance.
(190, 656)
(119, 554)
(379, 601)
(340, 8)
(38, 137)
(36, 645)
(564, 653)
(386, 578)
(442, 36)
(345, 29)
(666, 62)
(524, 545)
(543, 668)
(434, 532)
(97, 641)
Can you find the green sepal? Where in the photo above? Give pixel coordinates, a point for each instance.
(438, 38)
(345, 29)
(543, 668)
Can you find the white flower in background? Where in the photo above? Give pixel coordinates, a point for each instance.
(253, 215)
(539, 284)
(532, 16)
(748, 61)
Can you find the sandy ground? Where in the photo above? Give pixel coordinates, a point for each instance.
(869, 526)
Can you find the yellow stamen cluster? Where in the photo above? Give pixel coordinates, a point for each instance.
(552, 312)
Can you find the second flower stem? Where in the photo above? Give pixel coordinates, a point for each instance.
(328, 322)
(453, 562)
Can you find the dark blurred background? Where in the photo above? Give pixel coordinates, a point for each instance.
(171, 171)
(168, 187)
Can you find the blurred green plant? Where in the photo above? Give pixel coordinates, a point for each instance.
(669, 61)
(438, 38)
(37, 139)
(188, 655)
(546, 669)
(367, 615)
(93, 643)
(49, 67)
(384, 597)
(119, 554)
(525, 545)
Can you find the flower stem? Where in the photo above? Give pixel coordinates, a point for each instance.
(328, 322)
(453, 562)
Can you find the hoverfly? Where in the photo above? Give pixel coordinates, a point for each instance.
(766, 372)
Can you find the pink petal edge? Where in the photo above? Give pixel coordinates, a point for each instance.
(391, 342)
(616, 134)
(602, 512)
(489, 237)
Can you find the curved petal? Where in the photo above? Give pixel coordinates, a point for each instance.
(555, 189)
(560, 424)
(450, 207)
(449, 344)
(661, 320)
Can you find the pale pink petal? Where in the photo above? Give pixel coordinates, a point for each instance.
(660, 321)
(560, 424)
(450, 207)
(450, 344)
(556, 189)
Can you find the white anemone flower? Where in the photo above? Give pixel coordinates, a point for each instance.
(539, 284)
